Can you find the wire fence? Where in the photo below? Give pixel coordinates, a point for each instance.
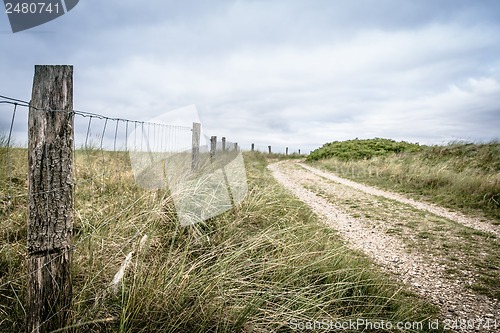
(108, 157)
(126, 175)
(276, 149)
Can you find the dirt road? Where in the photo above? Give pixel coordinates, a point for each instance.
(442, 255)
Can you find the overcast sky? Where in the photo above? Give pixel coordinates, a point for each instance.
(295, 73)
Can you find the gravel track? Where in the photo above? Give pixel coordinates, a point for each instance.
(434, 209)
(426, 277)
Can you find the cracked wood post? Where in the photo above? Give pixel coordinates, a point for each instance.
(50, 194)
(196, 146)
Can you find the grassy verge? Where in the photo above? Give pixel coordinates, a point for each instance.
(267, 265)
(464, 177)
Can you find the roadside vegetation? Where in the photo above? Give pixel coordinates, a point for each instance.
(267, 265)
(460, 176)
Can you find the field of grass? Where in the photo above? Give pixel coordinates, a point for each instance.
(266, 265)
(461, 176)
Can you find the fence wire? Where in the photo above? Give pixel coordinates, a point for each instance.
(124, 171)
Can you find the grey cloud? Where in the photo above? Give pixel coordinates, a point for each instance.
(263, 70)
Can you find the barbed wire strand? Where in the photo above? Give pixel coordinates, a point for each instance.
(22, 103)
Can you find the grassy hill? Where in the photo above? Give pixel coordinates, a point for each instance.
(361, 149)
(463, 176)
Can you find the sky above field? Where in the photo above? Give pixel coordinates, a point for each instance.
(295, 73)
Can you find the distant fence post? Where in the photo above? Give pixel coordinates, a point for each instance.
(253, 146)
(269, 147)
(299, 151)
(236, 146)
(195, 159)
(286, 153)
(213, 147)
(50, 194)
(223, 144)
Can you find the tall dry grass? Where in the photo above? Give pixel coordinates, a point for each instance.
(460, 176)
(256, 268)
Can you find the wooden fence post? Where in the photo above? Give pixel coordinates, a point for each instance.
(286, 153)
(299, 151)
(213, 147)
(253, 146)
(269, 147)
(50, 193)
(236, 146)
(195, 154)
(223, 144)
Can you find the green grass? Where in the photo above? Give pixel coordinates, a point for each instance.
(361, 149)
(257, 267)
(461, 176)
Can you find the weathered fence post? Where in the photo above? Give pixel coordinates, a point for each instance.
(195, 154)
(286, 153)
(269, 147)
(50, 190)
(253, 146)
(223, 144)
(299, 151)
(236, 146)
(213, 147)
